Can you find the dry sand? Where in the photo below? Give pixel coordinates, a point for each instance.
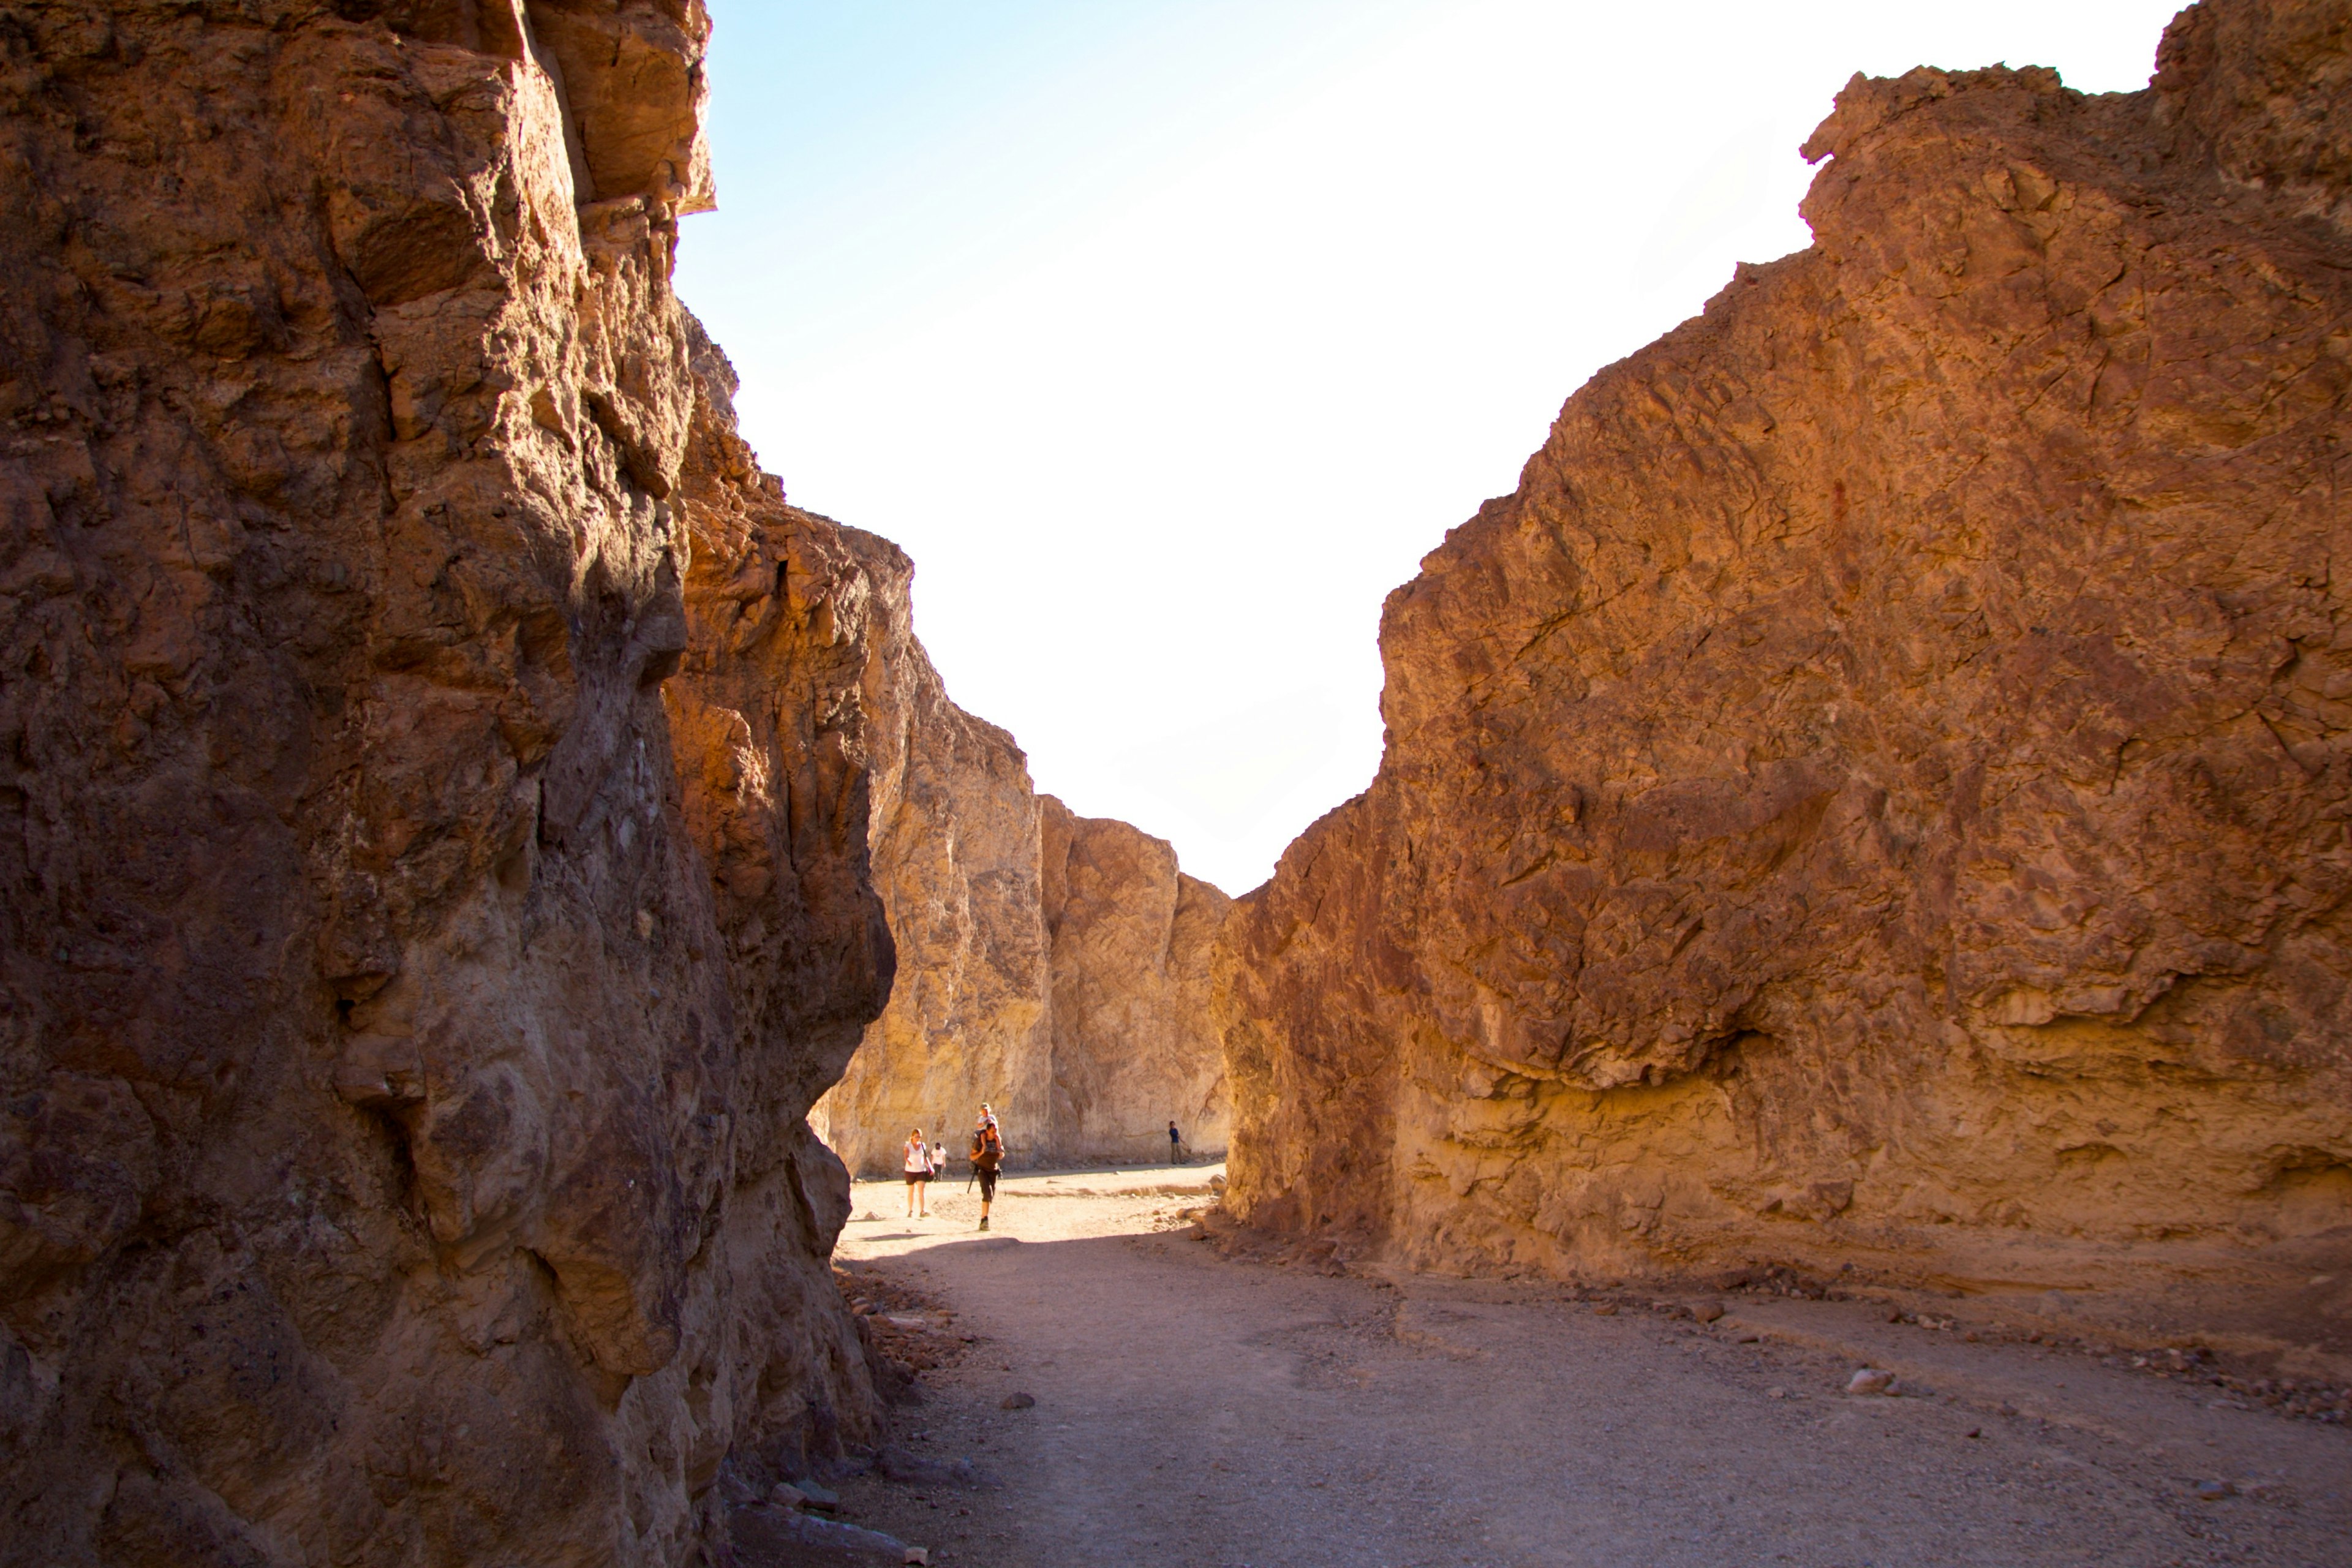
(1197, 1410)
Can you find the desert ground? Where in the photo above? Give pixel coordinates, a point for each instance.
(1196, 1406)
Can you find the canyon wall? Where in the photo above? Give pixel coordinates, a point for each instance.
(955, 833)
(432, 807)
(1053, 966)
(1135, 1046)
(1873, 799)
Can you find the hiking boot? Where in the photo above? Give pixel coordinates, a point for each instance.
(983, 1222)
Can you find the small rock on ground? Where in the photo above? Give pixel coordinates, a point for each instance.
(1870, 1380)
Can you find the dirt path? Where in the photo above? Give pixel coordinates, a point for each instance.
(1195, 1411)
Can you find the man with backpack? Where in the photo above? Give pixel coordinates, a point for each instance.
(987, 1158)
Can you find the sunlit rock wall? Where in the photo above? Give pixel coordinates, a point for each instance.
(1134, 1044)
(1874, 795)
(1053, 966)
(955, 860)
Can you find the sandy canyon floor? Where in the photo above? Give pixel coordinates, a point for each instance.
(1199, 1411)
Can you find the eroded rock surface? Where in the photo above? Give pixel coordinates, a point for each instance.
(1135, 1045)
(434, 810)
(1053, 966)
(1874, 794)
(955, 835)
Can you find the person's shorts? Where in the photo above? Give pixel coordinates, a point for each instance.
(987, 1185)
(914, 1176)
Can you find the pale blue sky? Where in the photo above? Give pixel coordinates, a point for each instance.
(1166, 337)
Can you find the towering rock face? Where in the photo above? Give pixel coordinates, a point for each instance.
(1135, 1047)
(955, 860)
(1874, 794)
(1053, 966)
(411, 983)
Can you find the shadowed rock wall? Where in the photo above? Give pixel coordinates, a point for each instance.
(432, 807)
(1874, 794)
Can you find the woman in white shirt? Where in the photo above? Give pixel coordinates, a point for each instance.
(918, 1166)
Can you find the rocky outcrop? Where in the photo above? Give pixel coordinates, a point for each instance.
(434, 807)
(1873, 798)
(955, 831)
(1135, 1046)
(1053, 966)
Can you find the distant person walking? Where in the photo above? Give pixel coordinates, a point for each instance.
(1175, 1146)
(918, 1166)
(987, 1158)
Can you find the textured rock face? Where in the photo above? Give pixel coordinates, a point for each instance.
(1134, 1042)
(955, 860)
(1874, 794)
(433, 817)
(1054, 966)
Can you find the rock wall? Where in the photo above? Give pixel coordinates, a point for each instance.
(1135, 1045)
(1873, 799)
(1053, 966)
(954, 830)
(432, 807)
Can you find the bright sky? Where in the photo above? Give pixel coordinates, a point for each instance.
(1168, 335)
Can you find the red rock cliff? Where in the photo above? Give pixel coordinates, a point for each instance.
(431, 806)
(1874, 795)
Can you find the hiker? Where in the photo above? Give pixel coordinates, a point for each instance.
(987, 1156)
(1175, 1146)
(939, 1160)
(918, 1166)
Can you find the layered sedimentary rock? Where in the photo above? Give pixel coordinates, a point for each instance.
(1874, 795)
(414, 980)
(1053, 966)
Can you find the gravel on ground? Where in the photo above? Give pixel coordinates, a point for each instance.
(1127, 1387)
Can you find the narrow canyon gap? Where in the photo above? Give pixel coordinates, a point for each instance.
(458, 818)
(1870, 804)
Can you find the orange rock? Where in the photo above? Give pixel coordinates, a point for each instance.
(1054, 966)
(407, 1022)
(1134, 1045)
(1873, 794)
